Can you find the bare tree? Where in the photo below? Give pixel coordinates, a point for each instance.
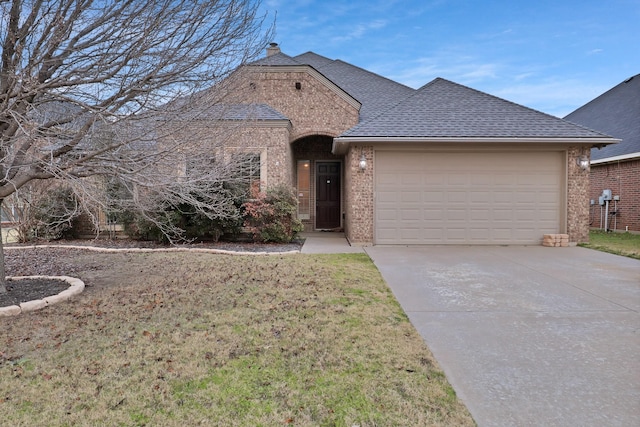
(107, 88)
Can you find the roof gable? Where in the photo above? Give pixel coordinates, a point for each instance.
(616, 112)
(313, 59)
(375, 93)
(275, 59)
(443, 109)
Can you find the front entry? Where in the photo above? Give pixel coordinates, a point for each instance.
(327, 195)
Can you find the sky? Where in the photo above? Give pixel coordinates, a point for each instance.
(553, 56)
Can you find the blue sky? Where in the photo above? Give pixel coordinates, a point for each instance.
(553, 56)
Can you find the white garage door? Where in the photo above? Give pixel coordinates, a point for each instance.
(467, 198)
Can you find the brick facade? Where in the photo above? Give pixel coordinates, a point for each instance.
(623, 179)
(314, 109)
(317, 113)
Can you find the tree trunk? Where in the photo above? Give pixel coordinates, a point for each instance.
(3, 278)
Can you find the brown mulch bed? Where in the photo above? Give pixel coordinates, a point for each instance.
(19, 291)
(53, 262)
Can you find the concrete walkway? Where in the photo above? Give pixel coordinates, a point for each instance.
(527, 336)
(327, 243)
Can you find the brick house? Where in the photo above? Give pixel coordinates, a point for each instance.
(443, 164)
(615, 167)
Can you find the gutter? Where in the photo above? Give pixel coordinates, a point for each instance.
(622, 157)
(341, 144)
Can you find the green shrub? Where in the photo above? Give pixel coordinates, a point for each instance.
(138, 227)
(51, 216)
(271, 216)
(184, 222)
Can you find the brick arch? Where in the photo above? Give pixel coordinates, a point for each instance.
(329, 133)
(314, 147)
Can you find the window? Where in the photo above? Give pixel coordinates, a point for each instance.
(249, 168)
(304, 187)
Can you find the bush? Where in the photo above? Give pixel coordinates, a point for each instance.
(185, 220)
(138, 227)
(271, 216)
(47, 213)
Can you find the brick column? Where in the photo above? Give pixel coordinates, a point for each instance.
(359, 196)
(577, 197)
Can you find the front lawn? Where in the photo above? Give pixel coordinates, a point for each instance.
(626, 244)
(183, 339)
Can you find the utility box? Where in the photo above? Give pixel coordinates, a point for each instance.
(606, 194)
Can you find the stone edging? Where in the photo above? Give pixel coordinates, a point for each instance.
(142, 250)
(75, 288)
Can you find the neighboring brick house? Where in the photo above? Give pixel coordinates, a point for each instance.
(444, 164)
(615, 167)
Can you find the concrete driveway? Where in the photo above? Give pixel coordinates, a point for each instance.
(528, 336)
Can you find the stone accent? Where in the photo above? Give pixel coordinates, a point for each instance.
(577, 197)
(76, 286)
(32, 305)
(359, 196)
(11, 310)
(555, 240)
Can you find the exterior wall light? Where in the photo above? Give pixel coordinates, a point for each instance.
(363, 162)
(583, 162)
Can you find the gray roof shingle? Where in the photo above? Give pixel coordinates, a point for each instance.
(276, 59)
(616, 112)
(374, 92)
(313, 59)
(442, 108)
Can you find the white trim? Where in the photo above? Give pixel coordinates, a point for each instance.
(341, 144)
(622, 157)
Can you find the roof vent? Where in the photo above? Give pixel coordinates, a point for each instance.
(273, 49)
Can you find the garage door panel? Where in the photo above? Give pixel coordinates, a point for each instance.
(456, 196)
(410, 196)
(472, 198)
(433, 214)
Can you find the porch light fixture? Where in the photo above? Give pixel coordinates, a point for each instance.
(363, 162)
(583, 162)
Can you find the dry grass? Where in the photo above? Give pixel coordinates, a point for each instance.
(196, 339)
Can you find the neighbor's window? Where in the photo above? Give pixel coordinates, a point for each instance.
(304, 188)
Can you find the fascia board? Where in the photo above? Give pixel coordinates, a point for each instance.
(341, 144)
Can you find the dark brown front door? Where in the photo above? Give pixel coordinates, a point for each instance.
(327, 195)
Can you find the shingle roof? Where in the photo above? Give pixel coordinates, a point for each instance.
(616, 112)
(313, 59)
(374, 92)
(276, 59)
(442, 108)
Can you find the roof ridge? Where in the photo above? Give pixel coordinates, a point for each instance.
(369, 72)
(625, 81)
